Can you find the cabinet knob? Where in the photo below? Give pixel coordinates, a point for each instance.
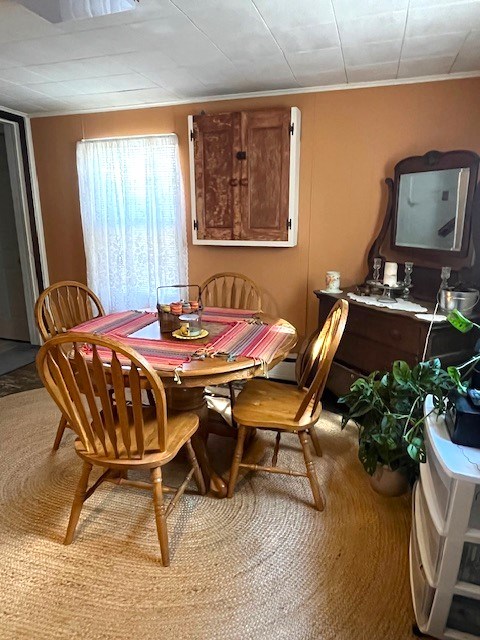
(395, 333)
(244, 182)
(233, 182)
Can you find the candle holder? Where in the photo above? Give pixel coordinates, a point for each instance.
(407, 281)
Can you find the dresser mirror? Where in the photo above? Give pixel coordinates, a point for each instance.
(432, 219)
(431, 209)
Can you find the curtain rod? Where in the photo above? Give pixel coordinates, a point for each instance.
(148, 135)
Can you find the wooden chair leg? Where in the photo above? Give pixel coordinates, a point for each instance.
(160, 517)
(311, 473)
(196, 469)
(315, 441)
(237, 458)
(78, 501)
(61, 428)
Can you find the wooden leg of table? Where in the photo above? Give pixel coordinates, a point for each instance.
(192, 399)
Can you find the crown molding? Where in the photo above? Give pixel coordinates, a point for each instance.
(263, 94)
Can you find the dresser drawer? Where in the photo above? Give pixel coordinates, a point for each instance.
(362, 353)
(390, 329)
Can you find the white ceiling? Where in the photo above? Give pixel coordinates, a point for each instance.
(176, 50)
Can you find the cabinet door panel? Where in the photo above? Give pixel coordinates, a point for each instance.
(217, 175)
(265, 174)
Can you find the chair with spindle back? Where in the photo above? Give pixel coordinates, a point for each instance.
(60, 307)
(287, 409)
(113, 432)
(233, 291)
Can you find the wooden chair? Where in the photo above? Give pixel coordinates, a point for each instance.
(113, 433)
(232, 291)
(287, 409)
(59, 308)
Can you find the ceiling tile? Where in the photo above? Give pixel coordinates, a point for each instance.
(446, 19)
(372, 72)
(114, 83)
(350, 9)
(375, 28)
(282, 13)
(179, 81)
(321, 36)
(307, 62)
(411, 67)
(56, 89)
(179, 39)
(434, 3)
(235, 28)
(468, 58)
(372, 52)
(322, 78)
(273, 69)
(435, 46)
(22, 75)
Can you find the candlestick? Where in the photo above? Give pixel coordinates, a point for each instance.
(390, 274)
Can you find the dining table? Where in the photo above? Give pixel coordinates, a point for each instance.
(241, 344)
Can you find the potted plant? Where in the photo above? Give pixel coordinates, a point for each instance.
(388, 411)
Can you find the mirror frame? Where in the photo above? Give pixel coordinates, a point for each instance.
(428, 262)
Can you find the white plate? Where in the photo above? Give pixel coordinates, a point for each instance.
(331, 290)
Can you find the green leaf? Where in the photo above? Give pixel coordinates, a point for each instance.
(401, 372)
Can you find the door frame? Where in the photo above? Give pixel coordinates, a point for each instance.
(28, 220)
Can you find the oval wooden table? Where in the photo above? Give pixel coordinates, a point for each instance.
(189, 395)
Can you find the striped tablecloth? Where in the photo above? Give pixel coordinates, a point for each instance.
(240, 337)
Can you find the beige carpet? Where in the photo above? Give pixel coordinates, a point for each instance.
(263, 565)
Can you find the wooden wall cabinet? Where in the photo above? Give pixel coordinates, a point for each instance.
(244, 170)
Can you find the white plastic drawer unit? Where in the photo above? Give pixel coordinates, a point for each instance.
(438, 486)
(474, 522)
(465, 615)
(470, 564)
(422, 592)
(430, 541)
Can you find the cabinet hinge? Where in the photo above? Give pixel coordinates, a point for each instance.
(289, 223)
(195, 225)
(292, 128)
(192, 134)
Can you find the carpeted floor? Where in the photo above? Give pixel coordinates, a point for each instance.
(264, 565)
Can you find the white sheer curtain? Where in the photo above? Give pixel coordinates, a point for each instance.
(133, 218)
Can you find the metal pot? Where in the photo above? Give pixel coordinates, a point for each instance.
(464, 301)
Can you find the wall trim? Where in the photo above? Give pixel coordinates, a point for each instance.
(266, 94)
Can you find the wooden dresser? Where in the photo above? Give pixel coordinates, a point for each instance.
(376, 336)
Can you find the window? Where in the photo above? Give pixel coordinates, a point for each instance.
(133, 218)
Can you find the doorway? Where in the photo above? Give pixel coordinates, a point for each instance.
(18, 287)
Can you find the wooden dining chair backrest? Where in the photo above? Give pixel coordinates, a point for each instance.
(87, 376)
(318, 358)
(231, 290)
(64, 305)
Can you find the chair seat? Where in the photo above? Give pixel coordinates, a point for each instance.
(263, 403)
(181, 427)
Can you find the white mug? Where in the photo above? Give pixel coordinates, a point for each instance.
(332, 281)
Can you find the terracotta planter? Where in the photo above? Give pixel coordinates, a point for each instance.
(389, 483)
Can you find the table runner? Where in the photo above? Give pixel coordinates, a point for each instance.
(240, 338)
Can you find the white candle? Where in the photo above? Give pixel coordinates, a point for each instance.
(390, 273)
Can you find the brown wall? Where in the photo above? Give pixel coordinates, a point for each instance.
(351, 141)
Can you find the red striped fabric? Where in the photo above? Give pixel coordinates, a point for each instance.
(240, 338)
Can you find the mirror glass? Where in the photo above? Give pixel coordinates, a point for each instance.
(431, 209)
